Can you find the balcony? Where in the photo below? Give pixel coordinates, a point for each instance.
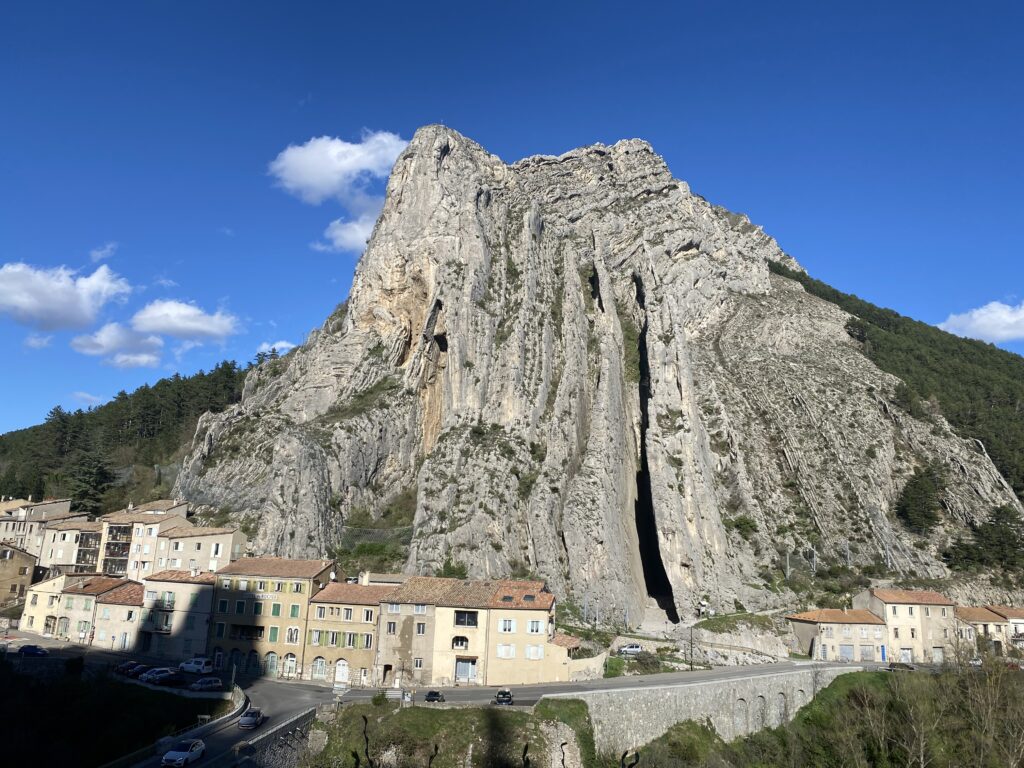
(163, 604)
(116, 549)
(115, 567)
(162, 629)
(119, 536)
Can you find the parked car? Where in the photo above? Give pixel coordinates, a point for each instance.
(252, 718)
(32, 650)
(900, 666)
(200, 665)
(631, 649)
(151, 675)
(124, 666)
(975, 662)
(173, 680)
(504, 697)
(138, 670)
(207, 684)
(434, 696)
(184, 752)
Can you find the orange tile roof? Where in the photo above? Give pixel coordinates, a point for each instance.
(147, 518)
(353, 594)
(129, 593)
(911, 597)
(184, 577)
(836, 616)
(95, 585)
(468, 593)
(566, 641)
(523, 595)
(281, 567)
(182, 532)
(970, 613)
(1007, 611)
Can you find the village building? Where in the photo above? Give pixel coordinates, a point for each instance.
(17, 573)
(840, 634)
(341, 638)
(982, 629)
(920, 624)
(176, 610)
(43, 604)
(129, 539)
(23, 523)
(118, 616)
(76, 615)
(1014, 617)
(71, 546)
(198, 548)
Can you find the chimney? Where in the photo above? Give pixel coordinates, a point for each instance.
(844, 609)
(30, 497)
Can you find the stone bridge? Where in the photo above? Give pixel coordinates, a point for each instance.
(627, 718)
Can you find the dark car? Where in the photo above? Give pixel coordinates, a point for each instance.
(32, 650)
(504, 697)
(138, 670)
(900, 666)
(124, 666)
(173, 680)
(434, 696)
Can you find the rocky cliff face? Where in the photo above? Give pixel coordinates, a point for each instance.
(584, 370)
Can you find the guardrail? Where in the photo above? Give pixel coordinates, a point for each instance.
(288, 735)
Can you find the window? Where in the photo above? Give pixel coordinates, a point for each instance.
(177, 546)
(88, 604)
(138, 531)
(216, 553)
(135, 565)
(367, 615)
(392, 626)
(536, 627)
(35, 599)
(394, 607)
(896, 632)
(222, 606)
(421, 628)
(321, 612)
(419, 608)
(220, 629)
(913, 633)
(314, 636)
(131, 616)
(910, 610)
(863, 633)
(506, 651)
(257, 608)
(894, 610)
(460, 643)
(297, 587)
(273, 634)
(239, 606)
(161, 561)
(260, 586)
(151, 531)
(199, 546)
(943, 613)
(350, 639)
(275, 609)
(507, 625)
(101, 635)
(292, 636)
(367, 641)
(145, 549)
(225, 583)
(293, 611)
(847, 630)
(348, 614)
(465, 618)
(70, 604)
(105, 614)
(535, 651)
(151, 594)
(279, 586)
(417, 663)
(332, 639)
(927, 612)
(243, 585)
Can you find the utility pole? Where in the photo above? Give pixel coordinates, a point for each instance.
(691, 647)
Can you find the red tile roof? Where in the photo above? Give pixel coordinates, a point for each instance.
(566, 641)
(1007, 611)
(466, 593)
(183, 532)
(353, 594)
(129, 593)
(95, 585)
(184, 577)
(276, 567)
(523, 595)
(982, 615)
(911, 597)
(836, 616)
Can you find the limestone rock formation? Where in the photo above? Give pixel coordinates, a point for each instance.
(584, 370)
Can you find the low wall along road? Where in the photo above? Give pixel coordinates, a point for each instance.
(628, 718)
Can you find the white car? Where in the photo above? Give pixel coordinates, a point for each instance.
(200, 665)
(207, 684)
(155, 673)
(632, 649)
(184, 752)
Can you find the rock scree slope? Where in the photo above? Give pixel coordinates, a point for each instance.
(581, 369)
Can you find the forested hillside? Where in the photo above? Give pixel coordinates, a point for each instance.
(107, 455)
(978, 387)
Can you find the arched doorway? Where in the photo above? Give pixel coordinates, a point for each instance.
(319, 670)
(341, 671)
(289, 665)
(271, 661)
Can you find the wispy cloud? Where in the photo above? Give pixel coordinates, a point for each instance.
(165, 282)
(87, 399)
(995, 322)
(184, 321)
(329, 168)
(282, 346)
(38, 341)
(49, 299)
(105, 251)
(120, 346)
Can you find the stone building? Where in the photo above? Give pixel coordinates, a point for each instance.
(23, 523)
(118, 617)
(840, 634)
(193, 548)
(989, 631)
(129, 539)
(17, 572)
(71, 546)
(176, 610)
(76, 614)
(341, 639)
(920, 624)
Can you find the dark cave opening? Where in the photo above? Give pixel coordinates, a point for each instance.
(655, 576)
(595, 288)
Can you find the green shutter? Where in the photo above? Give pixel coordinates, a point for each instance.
(275, 609)
(273, 633)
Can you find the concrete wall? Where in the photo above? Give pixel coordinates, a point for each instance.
(627, 718)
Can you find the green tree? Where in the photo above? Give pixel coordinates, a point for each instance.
(90, 478)
(919, 506)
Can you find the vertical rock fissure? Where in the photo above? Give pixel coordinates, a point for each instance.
(655, 577)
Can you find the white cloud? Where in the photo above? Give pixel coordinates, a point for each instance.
(37, 341)
(105, 251)
(326, 166)
(129, 360)
(85, 397)
(114, 337)
(165, 282)
(184, 321)
(993, 322)
(49, 299)
(282, 347)
(346, 235)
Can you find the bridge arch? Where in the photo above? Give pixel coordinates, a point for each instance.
(760, 713)
(780, 713)
(740, 718)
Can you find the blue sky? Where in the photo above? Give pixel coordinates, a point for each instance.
(143, 228)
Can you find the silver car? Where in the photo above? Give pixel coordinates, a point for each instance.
(252, 718)
(184, 752)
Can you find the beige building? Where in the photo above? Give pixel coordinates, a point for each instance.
(920, 624)
(129, 541)
(76, 615)
(43, 605)
(260, 612)
(23, 523)
(118, 616)
(17, 572)
(341, 634)
(199, 548)
(71, 546)
(436, 631)
(1015, 618)
(176, 610)
(834, 634)
(982, 628)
